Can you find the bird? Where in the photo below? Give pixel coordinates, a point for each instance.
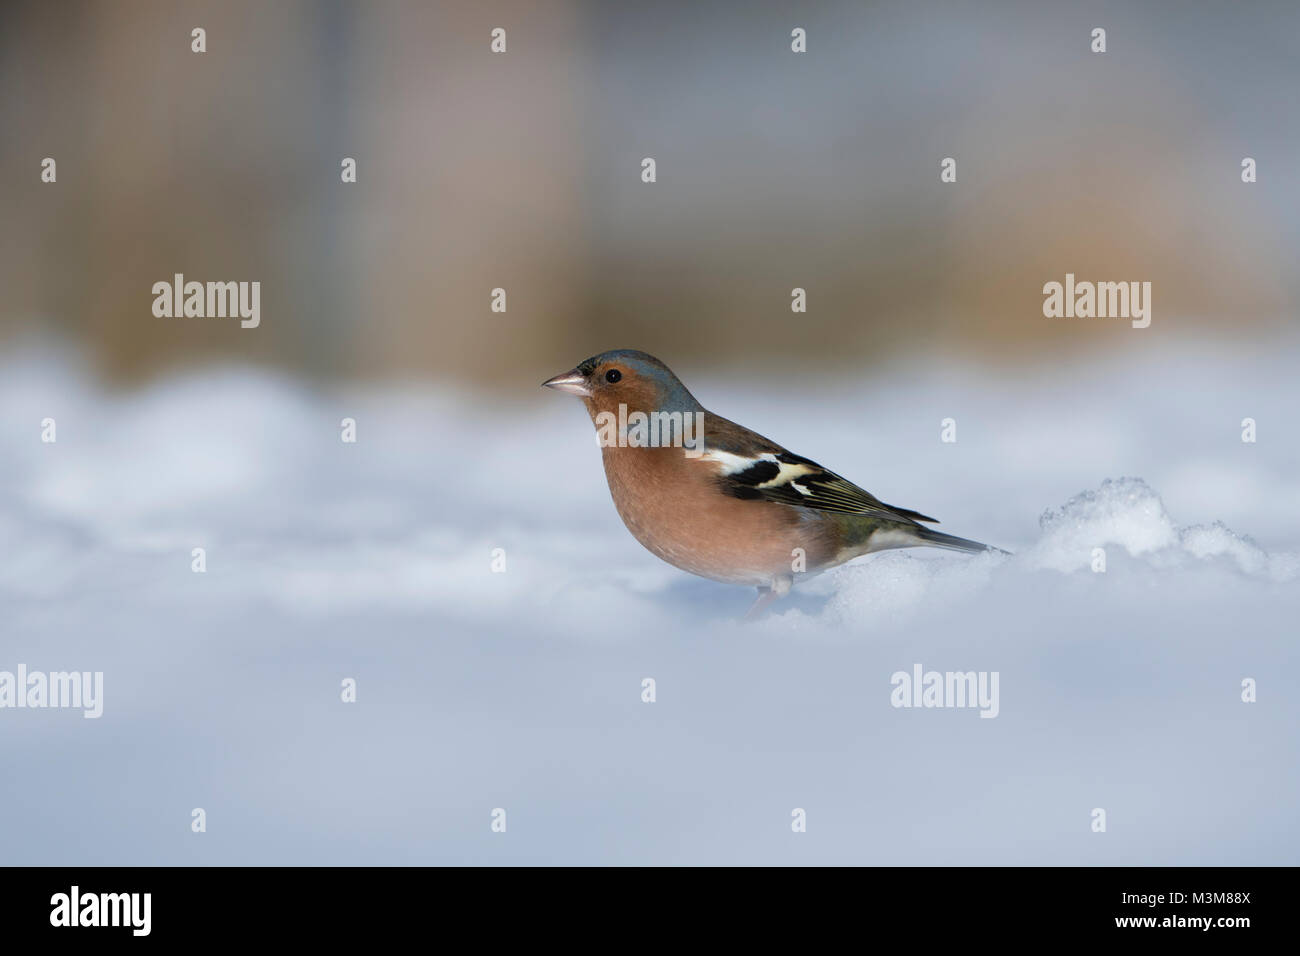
(721, 501)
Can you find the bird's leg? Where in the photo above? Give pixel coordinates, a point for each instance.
(765, 597)
(779, 587)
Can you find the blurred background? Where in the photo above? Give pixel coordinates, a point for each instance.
(522, 171)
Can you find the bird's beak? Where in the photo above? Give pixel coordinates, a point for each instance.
(573, 382)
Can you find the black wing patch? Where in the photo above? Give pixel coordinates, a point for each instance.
(791, 480)
(756, 474)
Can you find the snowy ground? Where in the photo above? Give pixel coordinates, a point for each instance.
(522, 690)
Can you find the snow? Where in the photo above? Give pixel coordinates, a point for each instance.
(1120, 689)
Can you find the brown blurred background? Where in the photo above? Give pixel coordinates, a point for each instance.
(522, 170)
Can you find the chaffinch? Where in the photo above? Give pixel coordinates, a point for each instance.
(727, 504)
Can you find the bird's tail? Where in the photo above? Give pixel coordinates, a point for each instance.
(938, 539)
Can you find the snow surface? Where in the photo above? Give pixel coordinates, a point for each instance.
(522, 690)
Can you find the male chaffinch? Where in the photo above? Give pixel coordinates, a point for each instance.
(739, 509)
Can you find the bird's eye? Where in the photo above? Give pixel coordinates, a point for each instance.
(613, 375)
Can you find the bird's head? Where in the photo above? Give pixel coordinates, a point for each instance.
(625, 377)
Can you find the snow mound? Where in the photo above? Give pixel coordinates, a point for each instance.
(1127, 512)
(1124, 512)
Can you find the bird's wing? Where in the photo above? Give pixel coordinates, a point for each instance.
(750, 466)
